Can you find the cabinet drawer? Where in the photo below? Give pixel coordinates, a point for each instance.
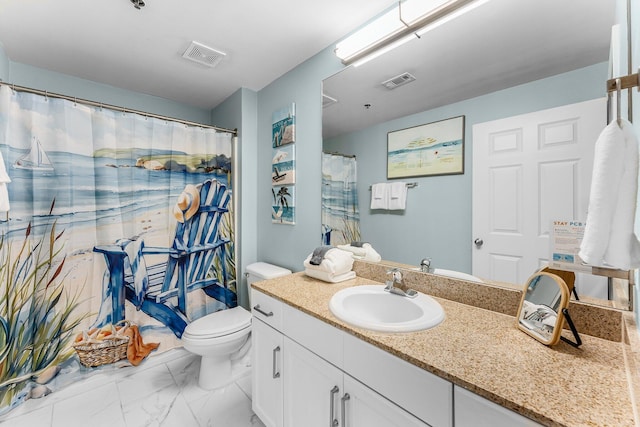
(317, 336)
(419, 392)
(267, 309)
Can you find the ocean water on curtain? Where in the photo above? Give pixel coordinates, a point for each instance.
(340, 211)
(90, 191)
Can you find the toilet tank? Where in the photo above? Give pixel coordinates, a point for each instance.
(263, 271)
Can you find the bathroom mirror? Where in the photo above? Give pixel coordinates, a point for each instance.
(498, 45)
(541, 313)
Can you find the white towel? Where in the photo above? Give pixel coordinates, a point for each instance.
(398, 196)
(609, 239)
(330, 277)
(335, 261)
(380, 196)
(366, 252)
(4, 192)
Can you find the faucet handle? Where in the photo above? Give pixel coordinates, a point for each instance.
(395, 274)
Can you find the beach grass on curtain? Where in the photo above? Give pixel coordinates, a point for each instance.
(217, 268)
(38, 315)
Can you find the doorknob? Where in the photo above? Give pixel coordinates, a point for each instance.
(478, 242)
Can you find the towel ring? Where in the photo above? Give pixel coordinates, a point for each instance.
(618, 102)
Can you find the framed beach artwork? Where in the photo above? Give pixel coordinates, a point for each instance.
(427, 150)
(283, 165)
(284, 126)
(283, 208)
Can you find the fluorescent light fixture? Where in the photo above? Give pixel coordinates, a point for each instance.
(405, 21)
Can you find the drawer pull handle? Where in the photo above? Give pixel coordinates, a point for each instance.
(333, 421)
(343, 401)
(276, 374)
(261, 311)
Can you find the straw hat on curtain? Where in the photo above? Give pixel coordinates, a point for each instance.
(188, 203)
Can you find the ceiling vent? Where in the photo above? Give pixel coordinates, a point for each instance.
(204, 55)
(327, 100)
(399, 80)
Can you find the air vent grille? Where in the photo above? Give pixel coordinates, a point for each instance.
(203, 54)
(327, 100)
(398, 80)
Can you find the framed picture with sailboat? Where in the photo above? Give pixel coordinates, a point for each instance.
(283, 165)
(427, 150)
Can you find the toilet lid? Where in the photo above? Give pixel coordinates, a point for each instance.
(220, 323)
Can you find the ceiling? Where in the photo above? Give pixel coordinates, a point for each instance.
(113, 43)
(500, 44)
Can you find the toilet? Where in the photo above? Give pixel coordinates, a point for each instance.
(219, 337)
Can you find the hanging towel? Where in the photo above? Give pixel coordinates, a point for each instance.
(380, 196)
(4, 192)
(609, 239)
(398, 196)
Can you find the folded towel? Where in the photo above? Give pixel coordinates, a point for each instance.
(318, 254)
(330, 277)
(609, 238)
(366, 252)
(379, 196)
(398, 196)
(335, 261)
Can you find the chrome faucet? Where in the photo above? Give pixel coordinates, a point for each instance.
(396, 279)
(425, 265)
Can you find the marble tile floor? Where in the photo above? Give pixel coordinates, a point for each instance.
(163, 391)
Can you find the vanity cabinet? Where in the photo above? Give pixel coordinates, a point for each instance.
(266, 359)
(305, 382)
(472, 410)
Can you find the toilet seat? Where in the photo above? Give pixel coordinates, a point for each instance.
(219, 324)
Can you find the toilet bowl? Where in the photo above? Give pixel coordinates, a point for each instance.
(217, 337)
(221, 336)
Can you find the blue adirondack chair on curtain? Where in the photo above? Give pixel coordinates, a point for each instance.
(161, 290)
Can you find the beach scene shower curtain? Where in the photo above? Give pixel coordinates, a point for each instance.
(114, 219)
(340, 213)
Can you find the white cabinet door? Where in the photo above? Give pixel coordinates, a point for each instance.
(472, 410)
(267, 351)
(312, 388)
(364, 407)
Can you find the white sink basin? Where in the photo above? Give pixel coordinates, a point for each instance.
(456, 275)
(370, 307)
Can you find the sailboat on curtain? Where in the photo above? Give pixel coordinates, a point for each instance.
(36, 159)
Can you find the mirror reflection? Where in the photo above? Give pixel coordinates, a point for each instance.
(495, 62)
(540, 314)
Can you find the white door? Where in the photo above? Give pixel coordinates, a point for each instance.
(527, 171)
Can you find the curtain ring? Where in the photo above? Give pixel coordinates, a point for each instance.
(618, 102)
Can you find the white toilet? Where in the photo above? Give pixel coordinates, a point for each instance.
(219, 336)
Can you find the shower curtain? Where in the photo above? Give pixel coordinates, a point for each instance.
(340, 214)
(84, 177)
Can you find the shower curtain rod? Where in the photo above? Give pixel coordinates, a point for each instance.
(113, 107)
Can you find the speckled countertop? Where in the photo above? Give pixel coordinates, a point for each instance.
(484, 352)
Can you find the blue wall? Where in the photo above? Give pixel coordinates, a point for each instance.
(239, 111)
(437, 221)
(288, 245)
(38, 78)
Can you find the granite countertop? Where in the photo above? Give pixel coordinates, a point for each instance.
(484, 352)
